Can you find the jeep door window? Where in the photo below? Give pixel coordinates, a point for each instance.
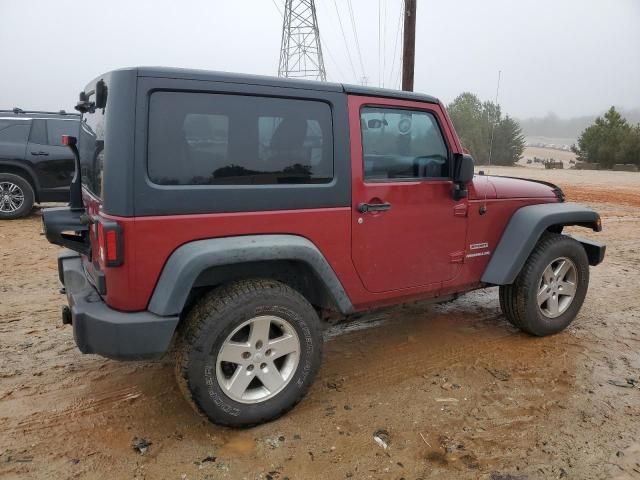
(214, 139)
(402, 144)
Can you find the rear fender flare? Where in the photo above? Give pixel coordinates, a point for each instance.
(523, 232)
(188, 261)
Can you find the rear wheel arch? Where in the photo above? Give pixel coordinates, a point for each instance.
(296, 274)
(197, 267)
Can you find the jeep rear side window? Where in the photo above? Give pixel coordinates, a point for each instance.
(214, 139)
(402, 144)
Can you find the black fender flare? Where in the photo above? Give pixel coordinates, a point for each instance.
(523, 232)
(188, 261)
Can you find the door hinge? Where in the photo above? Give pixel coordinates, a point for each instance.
(456, 257)
(460, 210)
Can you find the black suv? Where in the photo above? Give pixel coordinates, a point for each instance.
(34, 165)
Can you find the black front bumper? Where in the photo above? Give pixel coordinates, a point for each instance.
(101, 330)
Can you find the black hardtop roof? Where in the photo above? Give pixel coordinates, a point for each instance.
(189, 74)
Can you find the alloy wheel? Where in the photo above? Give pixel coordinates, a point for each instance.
(11, 197)
(258, 359)
(557, 287)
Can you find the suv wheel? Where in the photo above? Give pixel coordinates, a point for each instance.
(549, 291)
(248, 352)
(16, 196)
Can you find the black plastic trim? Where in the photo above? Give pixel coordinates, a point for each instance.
(595, 250)
(523, 231)
(388, 93)
(101, 330)
(58, 222)
(186, 264)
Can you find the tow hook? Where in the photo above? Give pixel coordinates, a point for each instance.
(66, 315)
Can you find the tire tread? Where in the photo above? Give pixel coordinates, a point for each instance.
(213, 304)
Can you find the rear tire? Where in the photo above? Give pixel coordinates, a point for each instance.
(248, 352)
(16, 196)
(551, 287)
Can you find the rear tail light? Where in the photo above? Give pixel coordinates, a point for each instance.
(110, 244)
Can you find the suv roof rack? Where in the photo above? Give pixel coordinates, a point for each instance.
(19, 111)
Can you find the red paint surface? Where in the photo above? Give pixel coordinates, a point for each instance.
(518, 188)
(408, 246)
(389, 257)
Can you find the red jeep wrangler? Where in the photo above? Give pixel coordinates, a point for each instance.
(228, 212)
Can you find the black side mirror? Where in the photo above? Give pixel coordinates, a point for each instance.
(101, 94)
(462, 174)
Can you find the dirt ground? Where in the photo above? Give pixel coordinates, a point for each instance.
(457, 390)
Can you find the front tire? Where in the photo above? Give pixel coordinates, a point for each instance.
(248, 352)
(549, 291)
(16, 196)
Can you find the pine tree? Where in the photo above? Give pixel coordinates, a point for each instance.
(474, 121)
(608, 141)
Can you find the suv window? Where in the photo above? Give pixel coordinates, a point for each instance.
(402, 144)
(215, 139)
(57, 128)
(38, 132)
(14, 132)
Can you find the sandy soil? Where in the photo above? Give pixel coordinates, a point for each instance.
(460, 393)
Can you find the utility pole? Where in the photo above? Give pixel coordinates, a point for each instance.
(300, 50)
(409, 45)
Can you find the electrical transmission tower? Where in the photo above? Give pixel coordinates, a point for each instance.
(300, 51)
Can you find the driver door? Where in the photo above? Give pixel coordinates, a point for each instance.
(407, 230)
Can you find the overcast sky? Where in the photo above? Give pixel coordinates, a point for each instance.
(571, 57)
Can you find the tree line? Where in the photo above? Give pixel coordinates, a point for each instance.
(609, 140)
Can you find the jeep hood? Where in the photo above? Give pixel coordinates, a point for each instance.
(486, 186)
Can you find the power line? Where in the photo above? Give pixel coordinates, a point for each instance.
(344, 37)
(402, 14)
(355, 34)
(333, 60)
(384, 43)
(395, 46)
(277, 7)
(379, 32)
